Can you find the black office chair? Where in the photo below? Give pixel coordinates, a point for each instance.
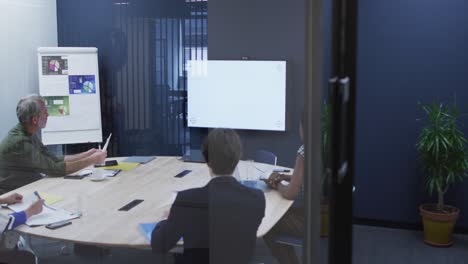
(16, 257)
(289, 240)
(264, 156)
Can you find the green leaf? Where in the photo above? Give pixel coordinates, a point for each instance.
(442, 146)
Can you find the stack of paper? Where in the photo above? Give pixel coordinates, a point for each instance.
(30, 199)
(48, 215)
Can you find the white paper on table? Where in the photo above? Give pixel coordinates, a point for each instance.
(262, 172)
(85, 172)
(27, 201)
(109, 173)
(266, 174)
(49, 216)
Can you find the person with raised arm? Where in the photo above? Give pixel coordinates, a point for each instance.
(23, 157)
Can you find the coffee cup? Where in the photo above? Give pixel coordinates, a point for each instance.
(98, 175)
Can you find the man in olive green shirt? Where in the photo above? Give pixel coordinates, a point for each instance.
(23, 157)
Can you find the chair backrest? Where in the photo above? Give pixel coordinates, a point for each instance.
(264, 156)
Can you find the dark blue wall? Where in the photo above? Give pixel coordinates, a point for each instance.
(264, 30)
(138, 67)
(408, 51)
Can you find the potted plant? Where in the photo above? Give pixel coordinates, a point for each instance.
(325, 152)
(443, 154)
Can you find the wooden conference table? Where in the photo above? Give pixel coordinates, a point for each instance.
(103, 225)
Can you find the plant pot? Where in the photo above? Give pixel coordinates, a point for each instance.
(324, 220)
(438, 226)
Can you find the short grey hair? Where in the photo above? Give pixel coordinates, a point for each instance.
(28, 107)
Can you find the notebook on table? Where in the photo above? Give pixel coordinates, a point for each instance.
(139, 159)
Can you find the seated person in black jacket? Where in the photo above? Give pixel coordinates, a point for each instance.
(218, 222)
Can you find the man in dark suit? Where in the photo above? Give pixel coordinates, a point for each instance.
(218, 222)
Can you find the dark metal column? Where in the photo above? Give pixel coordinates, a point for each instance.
(342, 115)
(312, 129)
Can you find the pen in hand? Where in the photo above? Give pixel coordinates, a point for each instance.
(43, 201)
(259, 169)
(37, 195)
(281, 170)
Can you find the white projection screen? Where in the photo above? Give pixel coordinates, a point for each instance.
(237, 94)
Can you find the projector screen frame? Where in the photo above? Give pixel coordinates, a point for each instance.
(280, 84)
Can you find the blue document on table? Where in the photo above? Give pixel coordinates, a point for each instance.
(255, 184)
(147, 229)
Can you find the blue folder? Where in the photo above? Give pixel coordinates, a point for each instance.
(254, 184)
(147, 229)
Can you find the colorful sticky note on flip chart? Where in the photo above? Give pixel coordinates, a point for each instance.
(125, 166)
